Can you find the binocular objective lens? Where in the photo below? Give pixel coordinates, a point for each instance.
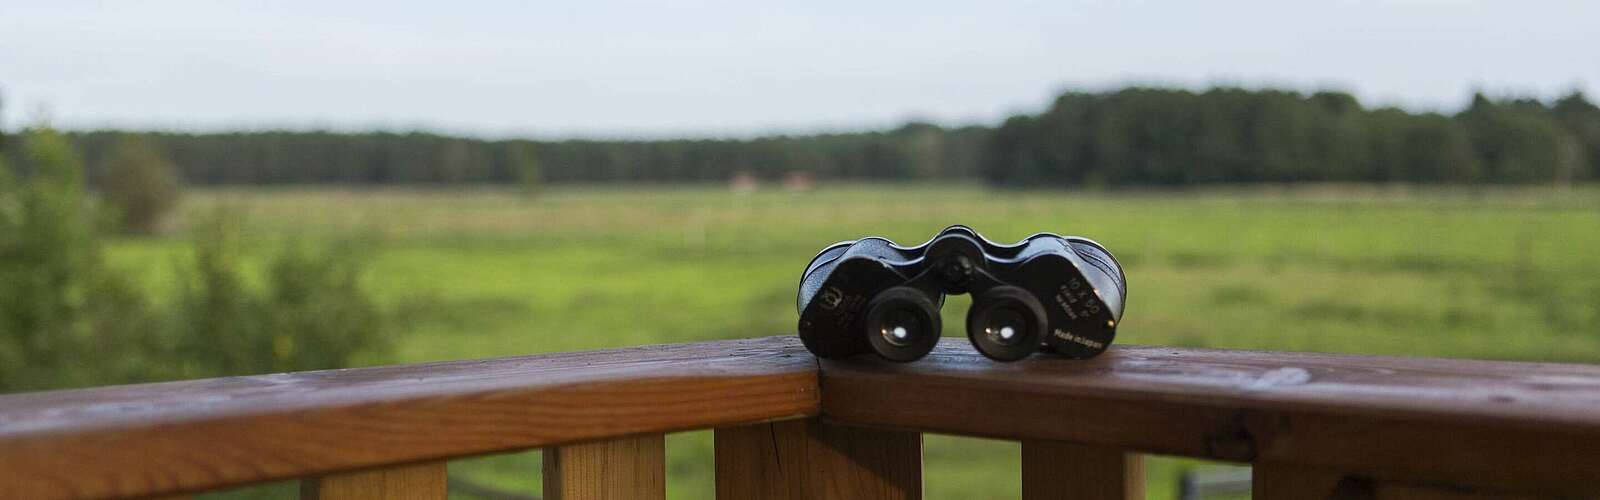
(1005, 323)
(902, 324)
(901, 327)
(1006, 326)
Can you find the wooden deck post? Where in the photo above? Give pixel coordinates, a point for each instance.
(1055, 470)
(425, 481)
(810, 459)
(630, 468)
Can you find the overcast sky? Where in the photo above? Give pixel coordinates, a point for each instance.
(697, 68)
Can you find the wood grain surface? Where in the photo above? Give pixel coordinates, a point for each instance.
(761, 461)
(1053, 470)
(1286, 482)
(1393, 491)
(627, 468)
(812, 459)
(181, 437)
(424, 481)
(1520, 426)
(1403, 427)
(1289, 482)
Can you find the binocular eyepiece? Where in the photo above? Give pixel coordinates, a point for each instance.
(1057, 293)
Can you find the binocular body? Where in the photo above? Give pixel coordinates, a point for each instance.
(1058, 293)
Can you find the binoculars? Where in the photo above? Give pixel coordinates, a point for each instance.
(1062, 294)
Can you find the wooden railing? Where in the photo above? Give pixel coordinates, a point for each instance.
(789, 426)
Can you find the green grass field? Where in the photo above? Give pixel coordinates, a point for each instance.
(1503, 274)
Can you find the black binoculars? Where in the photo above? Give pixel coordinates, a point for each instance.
(1057, 293)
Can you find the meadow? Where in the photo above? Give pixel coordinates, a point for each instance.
(472, 273)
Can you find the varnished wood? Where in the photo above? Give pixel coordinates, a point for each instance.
(425, 481)
(802, 460)
(1053, 470)
(1391, 491)
(181, 437)
(1288, 482)
(856, 463)
(1292, 482)
(629, 468)
(764, 460)
(1508, 425)
(1402, 427)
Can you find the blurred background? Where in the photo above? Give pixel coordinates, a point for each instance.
(194, 189)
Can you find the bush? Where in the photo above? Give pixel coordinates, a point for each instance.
(140, 183)
(311, 312)
(67, 319)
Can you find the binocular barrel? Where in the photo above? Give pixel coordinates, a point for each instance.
(1061, 294)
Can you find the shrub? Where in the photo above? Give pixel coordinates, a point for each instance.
(310, 312)
(65, 318)
(140, 183)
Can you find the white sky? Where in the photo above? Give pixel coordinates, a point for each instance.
(698, 68)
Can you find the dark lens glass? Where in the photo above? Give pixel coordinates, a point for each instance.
(1005, 323)
(902, 324)
(1005, 326)
(901, 327)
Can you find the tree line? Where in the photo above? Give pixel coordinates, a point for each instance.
(1129, 137)
(914, 151)
(1143, 136)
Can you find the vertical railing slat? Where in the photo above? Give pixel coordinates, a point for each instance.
(810, 459)
(1053, 470)
(761, 461)
(630, 468)
(425, 481)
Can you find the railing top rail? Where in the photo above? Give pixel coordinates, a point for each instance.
(192, 435)
(1522, 424)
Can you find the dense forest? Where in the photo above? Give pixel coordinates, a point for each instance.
(1170, 137)
(912, 151)
(1135, 136)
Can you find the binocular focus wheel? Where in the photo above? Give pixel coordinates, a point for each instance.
(1006, 323)
(902, 324)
